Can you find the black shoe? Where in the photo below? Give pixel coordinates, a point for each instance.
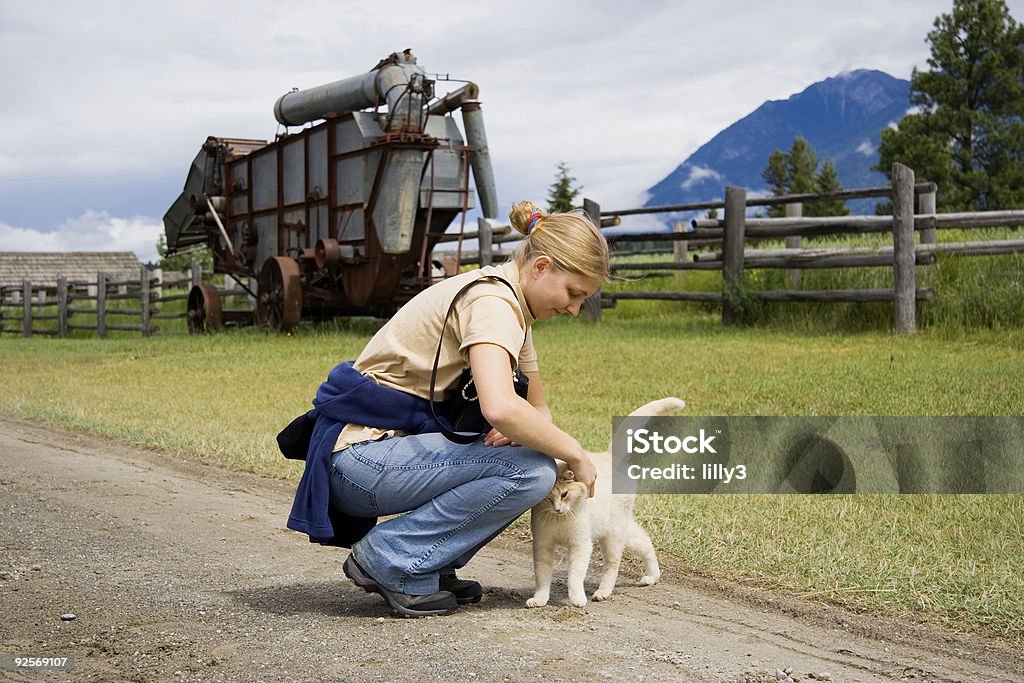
(441, 602)
(466, 592)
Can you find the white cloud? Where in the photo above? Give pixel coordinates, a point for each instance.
(92, 231)
(866, 148)
(894, 125)
(623, 92)
(96, 97)
(699, 174)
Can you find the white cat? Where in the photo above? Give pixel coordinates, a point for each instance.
(567, 518)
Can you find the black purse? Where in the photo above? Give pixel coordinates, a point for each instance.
(462, 409)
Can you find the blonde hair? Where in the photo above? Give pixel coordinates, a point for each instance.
(570, 240)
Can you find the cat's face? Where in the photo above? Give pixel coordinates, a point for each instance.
(566, 497)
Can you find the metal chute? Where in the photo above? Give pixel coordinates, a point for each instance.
(396, 81)
(181, 225)
(483, 173)
(185, 224)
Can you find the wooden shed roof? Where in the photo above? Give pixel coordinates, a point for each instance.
(43, 268)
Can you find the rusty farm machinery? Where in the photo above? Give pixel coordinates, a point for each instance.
(341, 217)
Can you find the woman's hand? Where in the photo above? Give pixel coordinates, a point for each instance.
(496, 438)
(583, 471)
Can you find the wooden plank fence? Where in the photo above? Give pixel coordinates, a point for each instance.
(102, 305)
(735, 231)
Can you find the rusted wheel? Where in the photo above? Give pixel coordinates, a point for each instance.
(204, 311)
(279, 295)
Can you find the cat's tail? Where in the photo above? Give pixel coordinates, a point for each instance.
(663, 406)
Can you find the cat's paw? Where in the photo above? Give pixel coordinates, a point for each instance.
(578, 601)
(649, 580)
(536, 602)
(601, 594)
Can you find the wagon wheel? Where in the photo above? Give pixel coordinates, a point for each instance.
(279, 294)
(204, 311)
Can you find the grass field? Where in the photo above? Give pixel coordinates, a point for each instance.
(954, 559)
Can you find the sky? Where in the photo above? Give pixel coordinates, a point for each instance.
(105, 103)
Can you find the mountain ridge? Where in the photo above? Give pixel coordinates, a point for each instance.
(842, 117)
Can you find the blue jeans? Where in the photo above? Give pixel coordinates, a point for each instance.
(457, 498)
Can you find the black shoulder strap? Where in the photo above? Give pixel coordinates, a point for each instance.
(457, 437)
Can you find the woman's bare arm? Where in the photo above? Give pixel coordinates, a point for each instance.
(518, 419)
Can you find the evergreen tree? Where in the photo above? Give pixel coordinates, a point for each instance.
(803, 163)
(967, 134)
(561, 193)
(777, 173)
(796, 172)
(827, 180)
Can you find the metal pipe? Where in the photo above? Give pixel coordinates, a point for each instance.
(390, 84)
(223, 232)
(483, 173)
(454, 100)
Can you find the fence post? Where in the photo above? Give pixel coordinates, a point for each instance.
(904, 302)
(794, 276)
(26, 308)
(62, 306)
(144, 296)
(680, 250)
(926, 205)
(101, 305)
(485, 241)
(158, 276)
(592, 306)
(732, 254)
(197, 274)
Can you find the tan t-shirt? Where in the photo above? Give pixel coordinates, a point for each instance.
(401, 354)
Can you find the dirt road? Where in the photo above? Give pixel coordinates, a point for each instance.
(177, 571)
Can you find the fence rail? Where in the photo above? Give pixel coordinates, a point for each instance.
(730, 236)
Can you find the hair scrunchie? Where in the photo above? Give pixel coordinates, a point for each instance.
(534, 217)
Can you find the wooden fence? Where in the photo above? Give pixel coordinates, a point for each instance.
(101, 305)
(732, 233)
(31, 309)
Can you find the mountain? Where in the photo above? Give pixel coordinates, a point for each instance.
(841, 117)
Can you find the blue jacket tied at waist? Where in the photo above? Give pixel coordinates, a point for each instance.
(347, 397)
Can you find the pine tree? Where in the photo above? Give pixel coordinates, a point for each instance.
(803, 163)
(967, 134)
(777, 173)
(796, 172)
(561, 193)
(827, 180)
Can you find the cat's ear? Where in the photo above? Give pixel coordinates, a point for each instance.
(568, 476)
